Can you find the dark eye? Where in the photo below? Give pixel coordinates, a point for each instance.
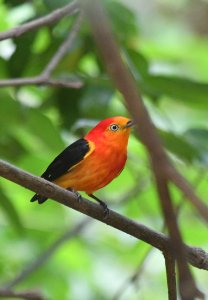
(114, 127)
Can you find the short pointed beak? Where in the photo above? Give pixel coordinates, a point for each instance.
(130, 123)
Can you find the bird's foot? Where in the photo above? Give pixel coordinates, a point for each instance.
(77, 194)
(105, 209)
(103, 204)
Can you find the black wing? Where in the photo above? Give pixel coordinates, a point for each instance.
(69, 157)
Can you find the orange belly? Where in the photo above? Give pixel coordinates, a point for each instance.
(94, 172)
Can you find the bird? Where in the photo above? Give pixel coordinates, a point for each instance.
(91, 162)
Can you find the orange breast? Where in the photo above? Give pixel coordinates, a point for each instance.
(96, 170)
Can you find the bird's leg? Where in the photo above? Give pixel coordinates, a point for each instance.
(79, 197)
(102, 203)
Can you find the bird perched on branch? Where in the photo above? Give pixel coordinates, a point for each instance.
(91, 162)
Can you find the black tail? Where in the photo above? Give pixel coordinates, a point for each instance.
(39, 198)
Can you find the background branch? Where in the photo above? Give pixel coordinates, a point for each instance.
(195, 256)
(44, 77)
(67, 43)
(27, 295)
(40, 260)
(139, 270)
(40, 80)
(129, 90)
(160, 162)
(178, 251)
(133, 277)
(53, 17)
(171, 276)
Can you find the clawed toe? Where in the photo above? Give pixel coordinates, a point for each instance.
(103, 204)
(105, 209)
(79, 197)
(106, 212)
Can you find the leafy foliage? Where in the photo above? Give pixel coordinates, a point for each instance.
(37, 122)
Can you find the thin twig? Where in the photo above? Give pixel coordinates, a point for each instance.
(67, 43)
(27, 295)
(171, 276)
(196, 256)
(66, 236)
(129, 90)
(40, 260)
(44, 77)
(39, 80)
(134, 276)
(53, 17)
(188, 191)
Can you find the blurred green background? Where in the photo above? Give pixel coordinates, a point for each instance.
(165, 44)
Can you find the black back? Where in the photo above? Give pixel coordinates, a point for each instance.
(69, 157)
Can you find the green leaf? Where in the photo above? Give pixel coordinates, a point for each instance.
(67, 102)
(198, 137)
(3, 13)
(54, 4)
(122, 19)
(11, 212)
(43, 129)
(184, 90)
(10, 114)
(10, 148)
(95, 101)
(22, 55)
(42, 40)
(137, 63)
(178, 146)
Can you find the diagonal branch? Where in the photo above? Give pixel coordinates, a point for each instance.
(40, 80)
(65, 237)
(138, 271)
(195, 256)
(134, 276)
(171, 276)
(45, 77)
(160, 162)
(40, 260)
(129, 90)
(67, 43)
(181, 183)
(26, 295)
(53, 17)
(178, 252)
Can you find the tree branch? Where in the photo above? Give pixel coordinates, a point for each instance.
(160, 162)
(53, 17)
(138, 271)
(134, 276)
(171, 276)
(178, 251)
(195, 256)
(28, 295)
(40, 80)
(179, 181)
(44, 77)
(67, 43)
(128, 88)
